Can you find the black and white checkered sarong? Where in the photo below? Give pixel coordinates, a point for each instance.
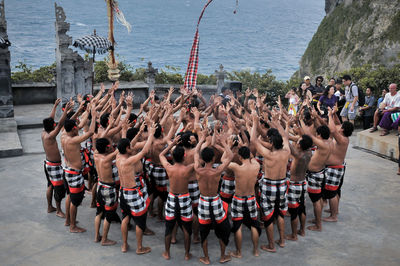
(179, 206)
(133, 199)
(314, 181)
(212, 208)
(333, 177)
(157, 174)
(273, 192)
(108, 194)
(296, 189)
(194, 192)
(55, 172)
(228, 185)
(242, 205)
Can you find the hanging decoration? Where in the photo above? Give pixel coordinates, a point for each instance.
(191, 72)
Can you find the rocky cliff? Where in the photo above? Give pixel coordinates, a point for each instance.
(353, 33)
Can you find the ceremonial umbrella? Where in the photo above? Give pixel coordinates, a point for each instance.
(4, 43)
(93, 44)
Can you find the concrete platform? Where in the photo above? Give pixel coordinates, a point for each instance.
(386, 146)
(10, 144)
(31, 116)
(366, 233)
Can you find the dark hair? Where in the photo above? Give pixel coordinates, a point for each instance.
(101, 145)
(324, 131)
(194, 103)
(132, 117)
(277, 141)
(122, 145)
(347, 128)
(104, 120)
(86, 98)
(272, 131)
(185, 139)
(339, 81)
(386, 89)
(347, 77)
(225, 101)
(306, 142)
(158, 132)
(207, 154)
(244, 152)
(70, 114)
(223, 89)
(178, 154)
(319, 77)
(48, 124)
(156, 98)
(326, 91)
(131, 133)
(69, 124)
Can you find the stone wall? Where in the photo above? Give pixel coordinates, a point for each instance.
(34, 93)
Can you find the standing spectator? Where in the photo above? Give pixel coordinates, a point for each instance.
(328, 99)
(389, 106)
(308, 84)
(293, 101)
(380, 100)
(332, 82)
(350, 108)
(368, 109)
(304, 92)
(318, 90)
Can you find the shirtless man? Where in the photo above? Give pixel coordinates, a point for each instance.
(189, 142)
(273, 185)
(301, 152)
(316, 169)
(52, 165)
(212, 210)
(178, 208)
(132, 201)
(71, 144)
(244, 206)
(107, 195)
(335, 165)
(156, 172)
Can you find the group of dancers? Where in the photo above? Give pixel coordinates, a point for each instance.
(212, 165)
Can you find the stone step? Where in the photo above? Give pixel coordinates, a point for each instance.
(385, 146)
(10, 144)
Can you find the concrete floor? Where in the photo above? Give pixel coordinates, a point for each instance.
(367, 232)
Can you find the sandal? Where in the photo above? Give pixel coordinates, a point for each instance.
(384, 133)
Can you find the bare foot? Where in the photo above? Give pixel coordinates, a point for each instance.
(314, 228)
(268, 248)
(280, 243)
(108, 242)
(301, 232)
(148, 232)
(60, 214)
(174, 241)
(188, 256)
(291, 237)
(204, 260)
(312, 221)
(124, 248)
(236, 254)
(51, 209)
(143, 250)
(77, 229)
(327, 210)
(98, 239)
(256, 253)
(225, 258)
(330, 219)
(166, 255)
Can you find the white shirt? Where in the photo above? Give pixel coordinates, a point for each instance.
(392, 101)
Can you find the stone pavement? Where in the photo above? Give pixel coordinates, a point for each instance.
(366, 234)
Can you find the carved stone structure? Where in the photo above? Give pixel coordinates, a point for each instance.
(6, 100)
(74, 74)
(151, 76)
(220, 74)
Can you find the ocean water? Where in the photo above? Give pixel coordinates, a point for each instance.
(263, 34)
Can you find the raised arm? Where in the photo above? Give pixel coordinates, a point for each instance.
(83, 137)
(54, 109)
(60, 124)
(146, 148)
(163, 160)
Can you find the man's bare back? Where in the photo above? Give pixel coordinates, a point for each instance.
(245, 176)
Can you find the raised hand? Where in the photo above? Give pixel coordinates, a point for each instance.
(255, 93)
(248, 92)
(57, 102)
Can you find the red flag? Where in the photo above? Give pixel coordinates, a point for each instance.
(191, 72)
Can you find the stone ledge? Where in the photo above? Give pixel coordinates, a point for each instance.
(385, 146)
(10, 144)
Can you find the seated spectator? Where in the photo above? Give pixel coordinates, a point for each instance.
(389, 106)
(380, 100)
(328, 99)
(304, 92)
(367, 111)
